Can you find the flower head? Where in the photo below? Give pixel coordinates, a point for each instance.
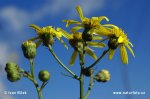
(88, 24)
(47, 35)
(77, 43)
(117, 37)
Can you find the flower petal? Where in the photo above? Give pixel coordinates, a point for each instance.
(97, 38)
(91, 53)
(64, 33)
(73, 58)
(102, 18)
(96, 44)
(124, 55)
(69, 22)
(79, 10)
(37, 28)
(111, 25)
(111, 54)
(130, 49)
(76, 28)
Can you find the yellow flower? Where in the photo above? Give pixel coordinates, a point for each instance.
(76, 42)
(88, 24)
(47, 35)
(117, 37)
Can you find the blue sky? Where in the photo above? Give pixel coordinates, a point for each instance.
(131, 15)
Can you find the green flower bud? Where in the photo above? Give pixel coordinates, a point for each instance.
(12, 70)
(103, 76)
(29, 49)
(112, 43)
(13, 77)
(10, 66)
(44, 75)
(88, 72)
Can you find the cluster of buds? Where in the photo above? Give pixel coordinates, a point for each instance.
(44, 75)
(13, 73)
(29, 49)
(103, 76)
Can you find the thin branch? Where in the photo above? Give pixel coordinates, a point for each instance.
(91, 83)
(67, 69)
(103, 54)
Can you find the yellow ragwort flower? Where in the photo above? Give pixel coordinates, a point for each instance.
(47, 35)
(117, 37)
(76, 42)
(88, 24)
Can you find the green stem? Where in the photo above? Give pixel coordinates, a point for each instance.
(81, 57)
(81, 86)
(67, 69)
(32, 67)
(39, 91)
(103, 54)
(90, 86)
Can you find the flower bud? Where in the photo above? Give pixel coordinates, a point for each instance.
(10, 66)
(88, 72)
(13, 77)
(44, 75)
(47, 39)
(29, 49)
(103, 76)
(12, 70)
(112, 43)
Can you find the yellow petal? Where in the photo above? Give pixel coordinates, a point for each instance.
(76, 28)
(69, 22)
(124, 55)
(64, 33)
(79, 10)
(130, 49)
(111, 25)
(38, 43)
(97, 38)
(120, 39)
(37, 28)
(91, 53)
(73, 58)
(103, 31)
(102, 18)
(96, 44)
(130, 44)
(111, 53)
